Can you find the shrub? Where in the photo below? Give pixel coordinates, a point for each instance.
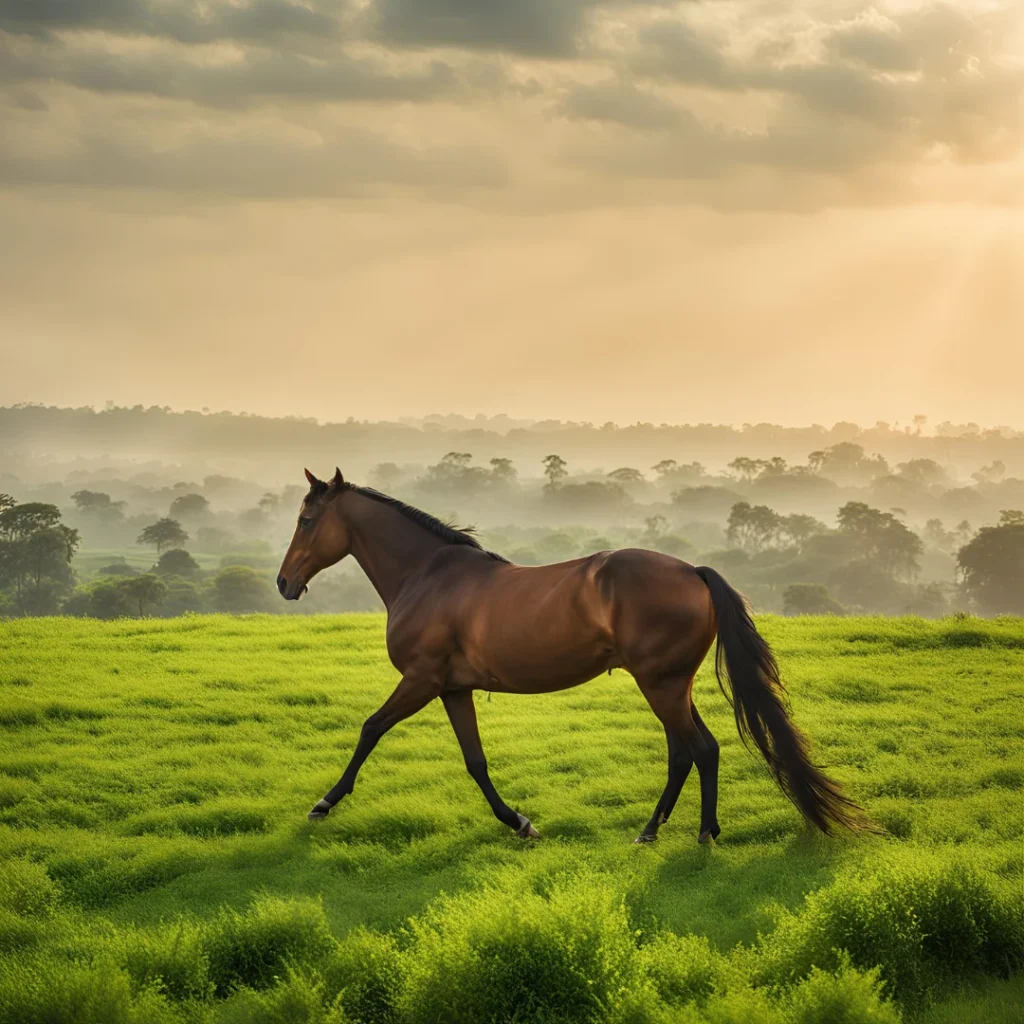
(366, 971)
(925, 925)
(682, 968)
(171, 960)
(503, 955)
(253, 949)
(58, 992)
(296, 1000)
(846, 997)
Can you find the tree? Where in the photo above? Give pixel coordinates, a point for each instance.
(97, 502)
(665, 468)
(800, 528)
(881, 537)
(503, 471)
(753, 527)
(6, 502)
(654, 527)
(991, 566)
(925, 472)
(145, 591)
(846, 463)
(36, 550)
(746, 469)
(165, 533)
(810, 599)
(991, 473)
(269, 503)
(555, 470)
(239, 589)
(385, 475)
(626, 475)
(176, 562)
(189, 506)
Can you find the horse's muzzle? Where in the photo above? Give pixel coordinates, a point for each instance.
(290, 593)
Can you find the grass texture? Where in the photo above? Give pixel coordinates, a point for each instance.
(156, 863)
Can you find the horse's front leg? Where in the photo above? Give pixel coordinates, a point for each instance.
(413, 693)
(462, 715)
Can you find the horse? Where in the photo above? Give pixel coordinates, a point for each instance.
(460, 618)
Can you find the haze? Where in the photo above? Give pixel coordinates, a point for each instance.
(596, 210)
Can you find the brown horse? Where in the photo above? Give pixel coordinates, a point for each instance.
(462, 619)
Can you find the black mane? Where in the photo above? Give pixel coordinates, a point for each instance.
(445, 531)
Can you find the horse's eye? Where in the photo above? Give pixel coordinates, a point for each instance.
(305, 521)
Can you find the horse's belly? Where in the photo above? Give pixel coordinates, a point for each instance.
(528, 671)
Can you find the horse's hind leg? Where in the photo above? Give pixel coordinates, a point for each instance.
(679, 764)
(690, 742)
(705, 756)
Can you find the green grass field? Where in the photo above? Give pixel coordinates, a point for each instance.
(157, 863)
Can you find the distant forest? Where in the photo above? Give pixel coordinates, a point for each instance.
(136, 511)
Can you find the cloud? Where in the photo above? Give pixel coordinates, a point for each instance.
(574, 101)
(190, 23)
(252, 165)
(241, 79)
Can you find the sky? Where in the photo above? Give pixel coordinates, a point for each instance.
(726, 211)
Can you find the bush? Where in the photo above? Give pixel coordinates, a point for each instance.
(254, 949)
(58, 992)
(847, 997)
(171, 960)
(366, 972)
(926, 926)
(682, 968)
(503, 955)
(296, 1000)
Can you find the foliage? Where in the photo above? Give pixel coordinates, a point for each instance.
(810, 599)
(176, 562)
(992, 566)
(164, 533)
(36, 550)
(239, 589)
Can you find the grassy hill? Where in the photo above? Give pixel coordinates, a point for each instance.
(157, 863)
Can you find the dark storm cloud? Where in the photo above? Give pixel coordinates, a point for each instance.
(188, 23)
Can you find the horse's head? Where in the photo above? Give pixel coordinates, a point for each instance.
(321, 537)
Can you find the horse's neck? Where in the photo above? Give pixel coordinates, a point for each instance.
(388, 547)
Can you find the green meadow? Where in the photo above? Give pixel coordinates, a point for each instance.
(156, 863)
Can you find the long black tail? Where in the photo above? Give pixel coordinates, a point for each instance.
(760, 704)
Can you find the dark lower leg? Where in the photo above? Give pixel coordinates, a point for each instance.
(706, 758)
(462, 715)
(679, 765)
(502, 811)
(409, 696)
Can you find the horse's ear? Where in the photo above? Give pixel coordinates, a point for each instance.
(337, 480)
(312, 479)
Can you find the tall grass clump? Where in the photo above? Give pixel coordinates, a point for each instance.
(365, 974)
(171, 959)
(56, 991)
(503, 954)
(297, 999)
(926, 924)
(254, 949)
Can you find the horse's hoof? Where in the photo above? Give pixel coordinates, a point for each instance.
(320, 811)
(644, 838)
(526, 830)
(708, 835)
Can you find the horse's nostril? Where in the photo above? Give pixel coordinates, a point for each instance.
(282, 583)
